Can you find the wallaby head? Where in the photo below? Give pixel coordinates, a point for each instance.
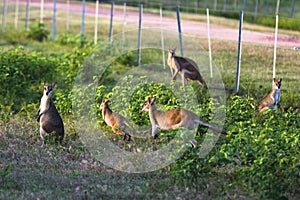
(276, 83)
(49, 88)
(48, 116)
(172, 51)
(104, 103)
(150, 102)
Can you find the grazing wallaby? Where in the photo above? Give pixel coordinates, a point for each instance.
(273, 99)
(117, 122)
(186, 67)
(175, 118)
(48, 116)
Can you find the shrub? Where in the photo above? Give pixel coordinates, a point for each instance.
(38, 32)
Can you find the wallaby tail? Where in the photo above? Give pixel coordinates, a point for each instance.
(211, 127)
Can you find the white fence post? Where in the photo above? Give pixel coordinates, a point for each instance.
(275, 46)
(209, 45)
(42, 11)
(96, 22)
(162, 39)
(124, 24)
(16, 14)
(4, 15)
(68, 15)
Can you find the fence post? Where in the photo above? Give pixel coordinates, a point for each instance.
(41, 11)
(256, 9)
(275, 46)
(209, 45)
(162, 39)
(82, 24)
(245, 5)
(139, 35)
(277, 6)
(111, 21)
(54, 21)
(16, 14)
(186, 5)
(224, 6)
(124, 23)
(267, 7)
(27, 16)
(179, 29)
(292, 8)
(4, 15)
(68, 15)
(239, 52)
(96, 22)
(215, 4)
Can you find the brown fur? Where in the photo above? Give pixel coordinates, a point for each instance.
(48, 116)
(117, 122)
(186, 67)
(175, 118)
(270, 101)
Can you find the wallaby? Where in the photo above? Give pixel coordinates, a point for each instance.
(273, 99)
(175, 118)
(186, 67)
(117, 122)
(48, 116)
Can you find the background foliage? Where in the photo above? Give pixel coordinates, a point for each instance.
(260, 162)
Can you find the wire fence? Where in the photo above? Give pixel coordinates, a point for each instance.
(64, 16)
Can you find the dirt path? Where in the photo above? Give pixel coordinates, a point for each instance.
(170, 24)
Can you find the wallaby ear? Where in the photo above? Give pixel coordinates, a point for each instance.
(153, 99)
(54, 84)
(149, 100)
(174, 49)
(280, 80)
(108, 100)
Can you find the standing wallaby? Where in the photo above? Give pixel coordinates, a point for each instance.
(117, 122)
(175, 118)
(48, 116)
(186, 67)
(273, 99)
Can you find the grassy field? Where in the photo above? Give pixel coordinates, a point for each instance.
(266, 145)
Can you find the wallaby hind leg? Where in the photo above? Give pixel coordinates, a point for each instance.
(42, 134)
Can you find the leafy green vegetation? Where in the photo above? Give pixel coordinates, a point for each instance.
(260, 162)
